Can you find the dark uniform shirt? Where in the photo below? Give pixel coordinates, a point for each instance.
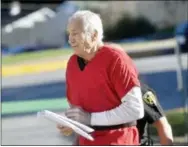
(152, 113)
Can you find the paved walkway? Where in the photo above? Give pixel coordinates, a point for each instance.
(29, 130)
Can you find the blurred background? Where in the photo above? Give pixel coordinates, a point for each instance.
(35, 51)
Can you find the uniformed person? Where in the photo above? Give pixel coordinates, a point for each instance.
(154, 115)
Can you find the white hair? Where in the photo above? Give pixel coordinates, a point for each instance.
(91, 22)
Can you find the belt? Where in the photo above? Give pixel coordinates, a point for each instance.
(126, 125)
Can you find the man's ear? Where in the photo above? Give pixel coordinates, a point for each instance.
(95, 35)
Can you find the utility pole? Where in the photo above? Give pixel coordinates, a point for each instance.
(182, 87)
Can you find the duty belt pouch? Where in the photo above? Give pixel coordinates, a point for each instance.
(149, 141)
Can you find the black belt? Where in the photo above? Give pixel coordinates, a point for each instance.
(100, 128)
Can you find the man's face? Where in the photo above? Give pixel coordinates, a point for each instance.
(78, 39)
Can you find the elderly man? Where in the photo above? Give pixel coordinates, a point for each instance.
(103, 89)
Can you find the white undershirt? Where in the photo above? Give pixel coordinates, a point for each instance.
(131, 109)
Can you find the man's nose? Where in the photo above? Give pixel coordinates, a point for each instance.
(71, 40)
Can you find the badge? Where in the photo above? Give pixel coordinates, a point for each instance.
(149, 98)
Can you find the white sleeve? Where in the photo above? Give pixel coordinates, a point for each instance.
(131, 109)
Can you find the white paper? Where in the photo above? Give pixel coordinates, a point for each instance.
(82, 126)
(79, 128)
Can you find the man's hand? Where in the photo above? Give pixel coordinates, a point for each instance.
(78, 114)
(65, 130)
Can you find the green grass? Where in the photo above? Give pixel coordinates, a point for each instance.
(176, 119)
(33, 105)
(33, 56)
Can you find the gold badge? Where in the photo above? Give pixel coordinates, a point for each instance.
(149, 98)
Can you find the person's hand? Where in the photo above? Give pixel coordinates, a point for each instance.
(66, 131)
(78, 114)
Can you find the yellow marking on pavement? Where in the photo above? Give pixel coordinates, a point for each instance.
(13, 70)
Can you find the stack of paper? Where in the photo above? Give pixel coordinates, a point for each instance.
(79, 128)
